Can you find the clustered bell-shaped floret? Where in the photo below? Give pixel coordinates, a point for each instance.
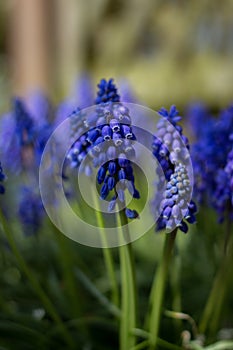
(107, 92)
(169, 136)
(170, 147)
(176, 207)
(106, 137)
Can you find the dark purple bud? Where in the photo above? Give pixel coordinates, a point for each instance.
(83, 140)
(127, 132)
(97, 143)
(111, 183)
(183, 227)
(101, 174)
(121, 174)
(163, 151)
(136, 194)
(114, 124)
(122, 160)
(192, 207)
(131, 214)
(117, 138)
(107, 133)
(104, 191)
(191, 219)
(167, 213)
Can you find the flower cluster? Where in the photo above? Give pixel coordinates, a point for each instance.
(24, 135)
(170, 147)
(24, 132)
(107, 92)
(211, 154)
(176, 206)
(107, 138)
(166, 139)
(30, 211)
(223, 194)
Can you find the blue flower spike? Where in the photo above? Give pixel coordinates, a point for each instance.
(176, 207)
(168, 148)
(212, 163)
(107, 137)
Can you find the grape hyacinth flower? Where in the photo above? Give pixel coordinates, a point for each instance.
(166, 138)
(107, 138)
(175, 207)
(223, 194)
(107, 92)
(2, 178)
(210, 155)
(30, 211)
(24, 136)
(170, 147)
(198, 119)
(81, 96)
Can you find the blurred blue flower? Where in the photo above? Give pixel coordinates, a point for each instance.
(198, 118)
(126, 93)
(39, 108)
(223, 194)
(210, 157)
(30, 211)
(2, 178)
(24, 135)
(24, 125)
(82, 97)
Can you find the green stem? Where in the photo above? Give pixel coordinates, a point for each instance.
(176, 293)
(34, 283)
(161, 342)
(108, 257)
(212, 311)
(128, 289)
(141, 345)
(112, 308)
(182, 316)
(158, 288)
(68, 271)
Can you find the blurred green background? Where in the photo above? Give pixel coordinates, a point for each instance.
(171, 51)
